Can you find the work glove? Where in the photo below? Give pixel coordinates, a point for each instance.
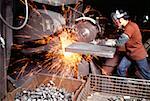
(110, 42)
(104, 42)
(95, 41)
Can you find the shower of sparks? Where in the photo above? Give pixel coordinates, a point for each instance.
(63, 63)
(55, 60)
(70, 60)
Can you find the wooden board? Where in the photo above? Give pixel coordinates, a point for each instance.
(87, 48)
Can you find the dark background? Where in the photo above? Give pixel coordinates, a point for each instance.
(106, 7)
(133, 6)
(136, 9)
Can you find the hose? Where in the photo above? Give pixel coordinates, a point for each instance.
(89, 19)
(24, 23)
(86, 18)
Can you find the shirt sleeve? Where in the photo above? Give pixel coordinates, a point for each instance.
(129, 30)
(122, 39)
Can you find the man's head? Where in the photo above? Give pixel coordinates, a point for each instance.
(120, 18)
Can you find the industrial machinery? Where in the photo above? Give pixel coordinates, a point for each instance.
(37, 45)
(57, 37)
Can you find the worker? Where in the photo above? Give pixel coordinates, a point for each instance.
(132, 39)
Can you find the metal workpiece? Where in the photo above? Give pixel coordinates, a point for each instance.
(87, 48)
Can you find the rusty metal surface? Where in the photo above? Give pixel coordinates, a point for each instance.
(86, 48)
(110, 65)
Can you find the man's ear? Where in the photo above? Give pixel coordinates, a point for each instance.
(121, 19)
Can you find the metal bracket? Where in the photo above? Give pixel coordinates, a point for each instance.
(2, 41)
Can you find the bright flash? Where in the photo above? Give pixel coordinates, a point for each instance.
(70, 59)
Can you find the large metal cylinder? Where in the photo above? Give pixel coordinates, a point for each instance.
(41, 24)
(57, 2)
(86, 31)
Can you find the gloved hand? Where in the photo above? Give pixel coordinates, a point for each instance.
(110, 42)
(95, 42)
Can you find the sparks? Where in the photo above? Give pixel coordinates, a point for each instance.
(70, 60)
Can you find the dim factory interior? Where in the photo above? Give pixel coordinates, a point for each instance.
(69, 50)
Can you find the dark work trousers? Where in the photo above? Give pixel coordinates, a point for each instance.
(143, 67)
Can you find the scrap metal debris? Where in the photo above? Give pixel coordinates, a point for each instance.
(45, 92)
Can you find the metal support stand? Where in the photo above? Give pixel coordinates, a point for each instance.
(5, 45)
(3, 79)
